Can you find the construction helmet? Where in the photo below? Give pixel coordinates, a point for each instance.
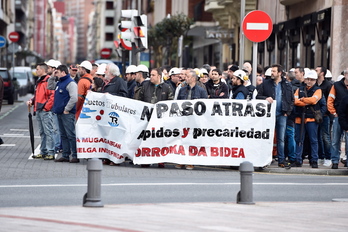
(174, 71)
(241, 75)
(142, 68)
(131, 69)
(86, 64)
(51, 63)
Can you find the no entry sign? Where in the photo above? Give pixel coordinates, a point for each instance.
(105, 53)
(257, 26)
(13, 36)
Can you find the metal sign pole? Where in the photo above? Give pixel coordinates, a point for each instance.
(254, 63)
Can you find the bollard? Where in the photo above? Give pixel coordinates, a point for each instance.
(245, 195)
(93, 196)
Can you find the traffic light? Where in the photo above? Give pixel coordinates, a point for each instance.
(128, 34)
(140, 31)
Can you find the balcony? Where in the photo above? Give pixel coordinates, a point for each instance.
(21, 5)
(289, 2)
(21, 26)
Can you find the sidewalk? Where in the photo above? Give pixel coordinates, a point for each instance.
(306, 169)
(228, 216)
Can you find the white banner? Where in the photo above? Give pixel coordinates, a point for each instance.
(200, 132)
(108, 125)
(209, 132)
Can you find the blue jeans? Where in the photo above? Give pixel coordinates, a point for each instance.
(290, 138)
(324, 139)
(45, 123)
(280, 131)
(336, 141)
(67, 134)
(311, 128)
(56, 133)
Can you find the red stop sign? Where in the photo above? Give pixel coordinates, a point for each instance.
(257, 26)
(13, 36)
(105, 53)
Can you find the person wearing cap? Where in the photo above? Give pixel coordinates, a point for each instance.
(73, 73)
(306, 101)
(140, 78)
(174, 78)
(205, 76)
(65, 98)
(337, 93)
(83, 85)
(279, 89)
(215, 87)
(114, 84)
(52, 65)
(324, 134)
(239, 91)
(43, 102)
(130, 77)
(99, 79)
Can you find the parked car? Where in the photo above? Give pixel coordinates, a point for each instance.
(9, 86)
(25, 79)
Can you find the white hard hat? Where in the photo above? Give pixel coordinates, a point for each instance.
(57, 63)
(131, 69)
(204, 71)
(328, 74)
(86, 64)
(101, 69)
(142, 68)
(51, 63)
(174, 71)
(268, 72)
(241, 75)
(311, 74)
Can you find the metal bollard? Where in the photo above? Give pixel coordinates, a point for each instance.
(93, 196)
(245, 195)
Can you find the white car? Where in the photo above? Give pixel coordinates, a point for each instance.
(24, 78)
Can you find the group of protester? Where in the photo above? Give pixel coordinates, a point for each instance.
(300, 96)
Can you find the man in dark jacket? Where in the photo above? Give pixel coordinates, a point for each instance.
(324, 134)
(192, 90)
(65, 99)
(154, 91)
(215, 87)
(239, 91)
(279, 89)
(114, 84)
(337, 93)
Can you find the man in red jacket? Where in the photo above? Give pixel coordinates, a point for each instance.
(43, 102)
(83, 85)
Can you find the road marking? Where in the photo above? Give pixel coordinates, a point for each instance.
(7, 145)
(19, 130)
(10, 111)
(18, 136)
(13, 135)
(257, 26)
(169, 184)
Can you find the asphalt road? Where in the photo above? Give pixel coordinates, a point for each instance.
(28, 182)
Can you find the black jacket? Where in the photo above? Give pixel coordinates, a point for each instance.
(197, 92)
(240, 89)
(117, 86)
(153, 94)
(267, 89)
(214, 90)
(343, 113)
